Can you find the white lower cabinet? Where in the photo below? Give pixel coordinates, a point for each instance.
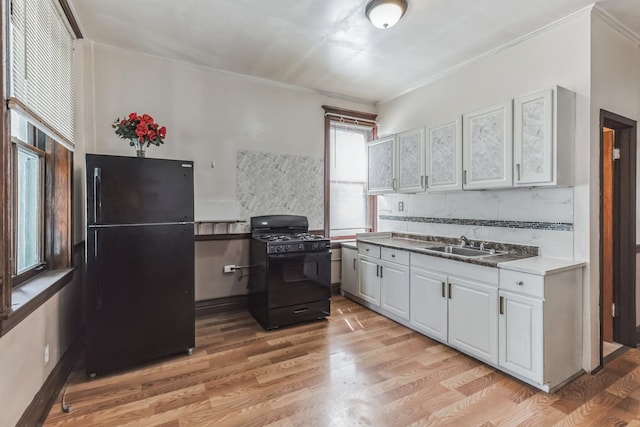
(428, 302)
(473, 318)
(349, 270)
(369, 279)
(461, 311)
(520, 331)
(541, 321)
(394, 281)
(384, 279)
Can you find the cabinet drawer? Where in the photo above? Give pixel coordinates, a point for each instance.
(524, 283)
(369, 250)
(395, 255)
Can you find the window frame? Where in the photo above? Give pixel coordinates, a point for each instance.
(342, 115)
(17, 145)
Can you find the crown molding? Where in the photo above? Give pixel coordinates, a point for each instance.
(493, 51)
(614, 23)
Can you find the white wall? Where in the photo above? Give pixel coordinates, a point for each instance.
(615, 87)
(22, 366)
(209, 115)
(559, 55)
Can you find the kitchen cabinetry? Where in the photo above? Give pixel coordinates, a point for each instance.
(381, 165)
(349, 270)
(458, 308)
(488, 147)
(384, 278)
(543, 143)
(429, 311)
(411, 161)
(540, 322)
(444, 157)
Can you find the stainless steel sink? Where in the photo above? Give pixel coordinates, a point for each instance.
(463, 251)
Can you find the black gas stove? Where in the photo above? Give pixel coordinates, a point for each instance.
(290, 279)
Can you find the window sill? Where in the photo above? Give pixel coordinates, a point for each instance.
(26, 298)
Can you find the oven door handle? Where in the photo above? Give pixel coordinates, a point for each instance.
(298, 255)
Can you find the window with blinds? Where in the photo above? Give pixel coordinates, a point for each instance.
(42, 65)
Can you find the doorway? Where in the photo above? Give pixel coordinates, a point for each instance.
(618, 233)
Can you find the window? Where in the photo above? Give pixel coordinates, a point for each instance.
(350, 210)
(29, 209)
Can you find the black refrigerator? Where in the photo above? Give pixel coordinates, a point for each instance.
(139, 281)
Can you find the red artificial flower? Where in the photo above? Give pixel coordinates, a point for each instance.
(141, 130)
(133, 116)
(162, 132)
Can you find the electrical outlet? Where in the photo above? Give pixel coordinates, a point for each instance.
(229, 268)
(46, 353)
(400, 206)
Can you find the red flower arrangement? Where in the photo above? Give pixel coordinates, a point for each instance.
(140, 130)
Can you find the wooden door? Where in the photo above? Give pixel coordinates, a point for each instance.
(607, 234)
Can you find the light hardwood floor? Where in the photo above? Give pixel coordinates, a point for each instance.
(355, 369)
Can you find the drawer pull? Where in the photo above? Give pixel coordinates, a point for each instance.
(520, 283)
(443, 295)
(301, 310)
(393, 255)
(501, 305)
(367, 249)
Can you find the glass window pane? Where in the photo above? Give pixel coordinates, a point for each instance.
(28, 210)
(19, 126)
(348, 179)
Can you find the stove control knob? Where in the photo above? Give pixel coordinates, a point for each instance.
(314, 246)
(301, 246)
(286, 248)
(278, 248)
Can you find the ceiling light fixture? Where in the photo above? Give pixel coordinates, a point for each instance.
(385, 13)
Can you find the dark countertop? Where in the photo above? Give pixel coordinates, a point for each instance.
(417, 243)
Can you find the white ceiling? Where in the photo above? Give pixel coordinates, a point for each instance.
(326, 45)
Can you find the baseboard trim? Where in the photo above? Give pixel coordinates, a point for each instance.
(38, 409)
(221, 305)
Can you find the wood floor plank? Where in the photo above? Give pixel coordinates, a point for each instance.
(355, 369)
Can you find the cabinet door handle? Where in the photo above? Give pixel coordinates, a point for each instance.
(354, 263)
(520, 283)
(377, 271)
(443, 295)
(464, 177)
(501, 305)
(449, 290)
(426, 181)
(518, 171)
(393, 184)
(381, 272)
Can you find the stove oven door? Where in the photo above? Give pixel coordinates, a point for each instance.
(298, 278)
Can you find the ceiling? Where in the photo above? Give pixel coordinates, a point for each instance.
(327, 45)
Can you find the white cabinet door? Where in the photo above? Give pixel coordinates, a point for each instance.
(381, 165)
(520, 332)
(394, 282)
(488, 147)
(369, 279)
(533, 147)
(473, 318)
(349, 278)
(411, 161)
(444, 157)
(429, 303)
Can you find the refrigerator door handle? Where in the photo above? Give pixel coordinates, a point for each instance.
(97, 195)
(95, 255)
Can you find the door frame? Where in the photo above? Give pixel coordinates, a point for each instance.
(624, 218)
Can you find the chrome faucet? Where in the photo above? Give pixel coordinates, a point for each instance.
(465, 242)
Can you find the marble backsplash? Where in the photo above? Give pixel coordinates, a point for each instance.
(540, 217)
(272, 183)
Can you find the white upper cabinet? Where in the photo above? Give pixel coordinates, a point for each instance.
(381, 165)
(411, 176)
(543, 138)
(488, 147)
(444, 157)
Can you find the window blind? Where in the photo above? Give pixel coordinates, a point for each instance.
(42, 65)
